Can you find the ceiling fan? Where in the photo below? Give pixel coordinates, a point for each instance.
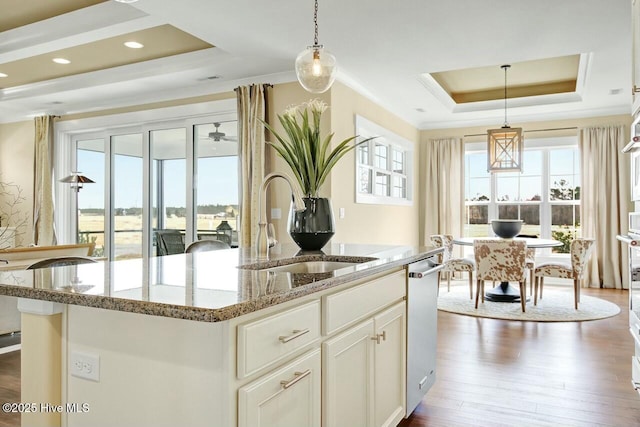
(216, 135)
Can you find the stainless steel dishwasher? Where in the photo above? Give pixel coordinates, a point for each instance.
(422, 329)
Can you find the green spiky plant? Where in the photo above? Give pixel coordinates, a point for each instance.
(307, 153)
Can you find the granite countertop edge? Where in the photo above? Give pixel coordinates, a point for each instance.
(202, 314)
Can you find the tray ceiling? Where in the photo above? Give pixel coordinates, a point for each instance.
(433, 64)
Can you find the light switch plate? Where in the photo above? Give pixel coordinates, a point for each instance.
(276, 213)
(341, 210)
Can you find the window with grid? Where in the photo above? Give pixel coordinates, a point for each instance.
(546, 195)
(383, 166)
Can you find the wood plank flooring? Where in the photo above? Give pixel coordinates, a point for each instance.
(9, 386)
(504, 373)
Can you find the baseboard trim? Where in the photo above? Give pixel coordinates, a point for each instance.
(10, 348)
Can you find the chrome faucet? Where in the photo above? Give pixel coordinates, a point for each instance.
(262, 240)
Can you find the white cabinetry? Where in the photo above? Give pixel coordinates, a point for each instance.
(348, 377)
(287, 397)
(334, 358)
(389, 366)
(364, 372)
(266, 341)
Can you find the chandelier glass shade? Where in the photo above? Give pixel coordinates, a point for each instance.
(315, 66)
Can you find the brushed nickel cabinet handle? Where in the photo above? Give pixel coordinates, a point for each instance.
(379, 337)
(297, 377)
(296, 334)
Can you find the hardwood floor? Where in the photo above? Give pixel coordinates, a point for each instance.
(504, 373)
(507, 373)
(9, 386)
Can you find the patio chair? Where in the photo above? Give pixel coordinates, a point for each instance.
(169, 242)
(580, 251)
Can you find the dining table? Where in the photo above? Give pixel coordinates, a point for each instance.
(504, 292)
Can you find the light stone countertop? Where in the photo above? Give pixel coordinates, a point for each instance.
(205, 286)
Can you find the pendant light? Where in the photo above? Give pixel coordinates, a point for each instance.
(316, 67)
(504, 147)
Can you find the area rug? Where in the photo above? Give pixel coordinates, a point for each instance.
(556, 306)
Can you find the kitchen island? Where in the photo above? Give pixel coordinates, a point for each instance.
(218, 338)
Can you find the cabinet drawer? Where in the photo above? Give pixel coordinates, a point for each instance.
(290, 396)
(266, 341)
(354, 304)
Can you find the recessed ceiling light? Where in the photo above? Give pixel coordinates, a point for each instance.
(134, 45)
(3, 75)
(126, 1)
(61, 61)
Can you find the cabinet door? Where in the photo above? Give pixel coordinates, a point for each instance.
(347, 377)
(287, 397)
(389, 366)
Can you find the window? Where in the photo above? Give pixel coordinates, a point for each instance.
(163, 176)
(383, 165)
(546, 195)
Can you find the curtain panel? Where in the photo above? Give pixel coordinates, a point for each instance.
(605, 204)
(252, 107)
(43, 207)
(444, 187)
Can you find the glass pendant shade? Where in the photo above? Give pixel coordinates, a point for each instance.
(316, 69)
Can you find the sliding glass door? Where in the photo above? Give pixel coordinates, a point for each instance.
(127, 196)
(157, 188)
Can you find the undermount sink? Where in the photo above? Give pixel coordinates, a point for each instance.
(312, 267)
(309, 264)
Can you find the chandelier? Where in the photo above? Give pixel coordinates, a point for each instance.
(505, 144)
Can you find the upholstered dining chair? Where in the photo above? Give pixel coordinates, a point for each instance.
(580, 251)
(206, 245)
(530, 265)
(530, 260)
(500, 261)
(451, 264)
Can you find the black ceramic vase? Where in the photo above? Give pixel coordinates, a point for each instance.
(312, 228)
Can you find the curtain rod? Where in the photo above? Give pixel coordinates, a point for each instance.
(525, 131)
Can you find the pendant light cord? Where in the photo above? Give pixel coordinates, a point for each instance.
(315, 23)
(506, 123)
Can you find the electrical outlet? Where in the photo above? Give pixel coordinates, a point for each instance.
(276, 213)
(341, 210)
(85, 366)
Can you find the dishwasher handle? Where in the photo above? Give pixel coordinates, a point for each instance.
(418, 270)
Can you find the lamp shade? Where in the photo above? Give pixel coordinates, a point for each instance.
(316, 69)
(504, 148)
(77, 180)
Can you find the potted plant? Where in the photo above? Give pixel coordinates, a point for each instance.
(310, 157)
